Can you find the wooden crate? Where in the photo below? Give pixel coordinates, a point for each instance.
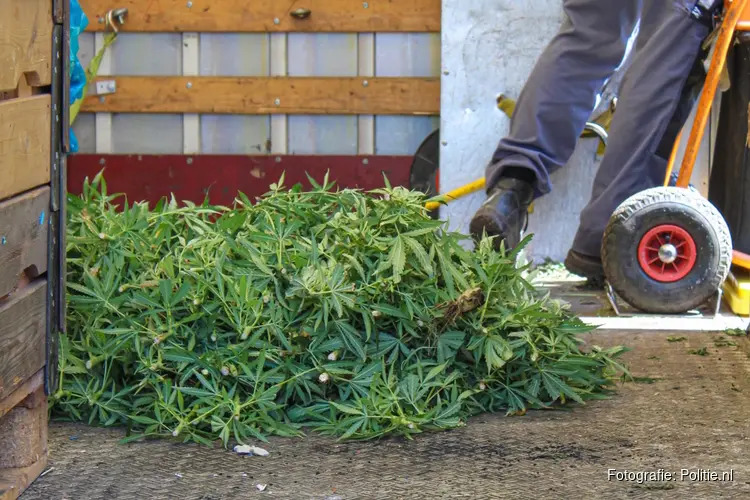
(31, 162)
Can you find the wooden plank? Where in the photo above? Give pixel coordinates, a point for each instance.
(23, 441)
(13, 482)
(270, 15)
(18, 396)
(23, 432)
(25, 43)
(22, 335)
(23, 237)
(25, 130)
(271, 95)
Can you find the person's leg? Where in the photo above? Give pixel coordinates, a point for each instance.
(655, 100)
(557, 100)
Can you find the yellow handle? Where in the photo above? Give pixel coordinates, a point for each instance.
(458, 193)
(467, 189)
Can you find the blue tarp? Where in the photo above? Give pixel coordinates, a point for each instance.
(78, 23)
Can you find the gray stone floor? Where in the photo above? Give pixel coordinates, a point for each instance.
(686, 412)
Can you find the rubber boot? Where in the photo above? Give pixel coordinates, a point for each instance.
(586, 266)
(504, 213)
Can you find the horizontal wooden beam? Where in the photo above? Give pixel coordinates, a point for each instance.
(220, 177)
(22, 335)
(269, 15)
(269, 95)
(24, 144)
(23, 225)
(25, 43)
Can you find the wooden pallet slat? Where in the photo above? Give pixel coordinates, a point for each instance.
(25, 43)
(270, 95)
(22, 335)
(24, 144)
(270, 15)
(23, 237)
(23, 441)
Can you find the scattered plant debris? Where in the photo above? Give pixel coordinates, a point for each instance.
(645, 380)
(736, 332)
(703, 351)
(723, 342)
(672, 338)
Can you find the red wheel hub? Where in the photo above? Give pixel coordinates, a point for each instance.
(667, 253)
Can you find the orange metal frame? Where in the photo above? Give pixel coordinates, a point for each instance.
(736, 18)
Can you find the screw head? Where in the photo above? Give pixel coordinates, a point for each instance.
(189, 161)
(276, 20)
(189, 85)
(277, 102)
(444, 143)
(365, 83)
(101, 99)
(278, 159)
(365, 5)
(365, 161)
(189, 4)
(102, 161)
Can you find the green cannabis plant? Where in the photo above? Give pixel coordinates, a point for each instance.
(343, 312)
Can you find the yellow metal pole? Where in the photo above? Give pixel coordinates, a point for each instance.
(473, 187)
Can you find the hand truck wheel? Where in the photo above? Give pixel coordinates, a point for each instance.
(666, 250)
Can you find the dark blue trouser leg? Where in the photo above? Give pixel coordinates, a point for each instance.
(561, 91)
(667, 48)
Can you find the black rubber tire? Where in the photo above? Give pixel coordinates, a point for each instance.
(646, 210)
(425, 167)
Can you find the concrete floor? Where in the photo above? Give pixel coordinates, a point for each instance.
(687, 411)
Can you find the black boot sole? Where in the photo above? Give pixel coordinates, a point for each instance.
(587, 267)
(486, 221)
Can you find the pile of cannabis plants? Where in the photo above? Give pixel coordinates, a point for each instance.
(347, 313)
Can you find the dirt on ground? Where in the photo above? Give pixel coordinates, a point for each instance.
(685, 411)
